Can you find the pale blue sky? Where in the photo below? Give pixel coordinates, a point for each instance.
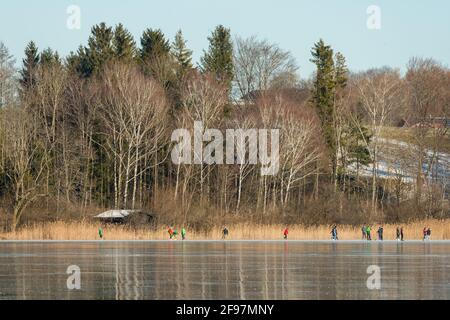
(408, 27)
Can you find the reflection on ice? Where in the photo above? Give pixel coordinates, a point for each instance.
(224, 270)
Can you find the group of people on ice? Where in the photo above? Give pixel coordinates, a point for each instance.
(173, 233)
(426, 233)
(367, 235)
(365, 231)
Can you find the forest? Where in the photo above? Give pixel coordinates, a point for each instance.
(92, 131)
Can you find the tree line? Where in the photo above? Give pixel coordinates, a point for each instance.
(93, 130)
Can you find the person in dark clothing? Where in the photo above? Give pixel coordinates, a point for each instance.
(428, 233)
(401, 233)
(380, 233)
(334, 233)
(398, 233)
(224, 233)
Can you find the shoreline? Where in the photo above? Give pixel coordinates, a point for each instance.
(89, 231)
(235, 241)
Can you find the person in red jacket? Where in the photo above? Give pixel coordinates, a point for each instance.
(171, 233)
(285, 233)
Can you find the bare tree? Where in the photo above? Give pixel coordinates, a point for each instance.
(380, 92)
(203, 99)
(427, 83)
(21, 159)
(260, 65)
(8, 83)
(134, 111)
(300, 147)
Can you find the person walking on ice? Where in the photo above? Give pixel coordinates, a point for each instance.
(224, 233)
(368, 236)
(334, 233)
(170, 231)
(380, 233)
(286, 233)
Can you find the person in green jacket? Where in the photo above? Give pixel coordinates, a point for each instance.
(100, 233)
(368, 229)
(183, 233)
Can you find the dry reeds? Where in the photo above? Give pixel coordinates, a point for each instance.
(89, 231)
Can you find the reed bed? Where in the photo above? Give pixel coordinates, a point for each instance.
(86, 230)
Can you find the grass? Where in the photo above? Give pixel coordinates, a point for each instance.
(89, 231)
(407, 135)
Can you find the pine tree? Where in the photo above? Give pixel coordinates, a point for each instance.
(124, 45)
(323, 95)
(79, 63)
(99, 51)
(30, 64)
(356, 139)
(219, 58)
(341, 71)
(155, 58)
(49, 57)
(153, 45)
(182, 55)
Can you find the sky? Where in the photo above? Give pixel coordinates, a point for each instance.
(407, 27)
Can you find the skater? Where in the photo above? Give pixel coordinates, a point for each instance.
(368, 236)
(183, 233)
(398, 234)
(334, 233)
(428, 233)
(175, 233)
(170, 231)
(425, 232)
(285, 233)
(100, 233)
(224, 233)
(363, 231)
(380, 233)
(401, 234)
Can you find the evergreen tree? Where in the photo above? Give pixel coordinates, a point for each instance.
(124, 45)
(355, 139)
(30, 63)
(341, 71)
(323, 93)
(155, 58)
(153, 45)
(49, 57)
(79, 62)
(219, 58)
(99, 51)
(182, 55)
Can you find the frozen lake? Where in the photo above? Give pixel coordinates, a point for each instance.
(224, 270)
